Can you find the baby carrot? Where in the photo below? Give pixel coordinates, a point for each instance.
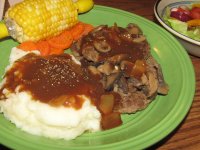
(77, 31)
(62, 41)
(27, 46)
(57, 44)
(43, 47)
(56, 51)
(87, 28)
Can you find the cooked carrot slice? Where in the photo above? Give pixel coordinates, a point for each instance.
(57, 44)
(43, 47)
(87, 28)
(56, 51)
(27, 46)
(62, 41)
(77, 31)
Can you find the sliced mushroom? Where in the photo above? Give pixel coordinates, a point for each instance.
(125, 35)
(107, 68)
(135, 82)
(97, 29)
(163, 88)
(162, 85)
(139, 39)
(151, 62)
(144, 79)
(110, 80)
(77, 45)
(90, 54)
(153, 84)
(101, 46)
(123, 85)
(126, 66)
(94, 70)
(133, 29)
(116, 59)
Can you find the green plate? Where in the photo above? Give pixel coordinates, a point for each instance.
(139, 130)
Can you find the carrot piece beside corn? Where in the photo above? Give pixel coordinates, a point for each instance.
(56, 51)
(77, 30)
(62, 41)
(43, 47)
(87, 28)
(57, 44)
(28, 46)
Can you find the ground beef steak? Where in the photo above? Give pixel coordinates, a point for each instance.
(121, 56)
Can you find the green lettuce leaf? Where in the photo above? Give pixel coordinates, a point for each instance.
(178, 25)
(181, 27)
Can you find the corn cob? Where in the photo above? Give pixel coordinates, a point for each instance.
(39, 19)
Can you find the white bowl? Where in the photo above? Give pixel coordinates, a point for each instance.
(192, 46)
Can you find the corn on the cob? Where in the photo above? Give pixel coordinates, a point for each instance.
(39, 19)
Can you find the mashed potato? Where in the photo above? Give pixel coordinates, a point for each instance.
(42, 119)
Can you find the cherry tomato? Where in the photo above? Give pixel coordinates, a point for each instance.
(185, 11)
(180, 14)
(195, 13)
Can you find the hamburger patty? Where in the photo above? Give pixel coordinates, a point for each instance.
(122, 58)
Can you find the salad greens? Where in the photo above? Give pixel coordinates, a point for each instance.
(181, 26)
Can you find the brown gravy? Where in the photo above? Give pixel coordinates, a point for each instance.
(118, 45)
(58, 80)
(55, 79)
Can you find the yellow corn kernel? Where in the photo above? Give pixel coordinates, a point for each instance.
(40, 19)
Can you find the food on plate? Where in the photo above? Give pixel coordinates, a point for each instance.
(121, 56)
(184, 19)
(33, 20)
(57, 44)
(111, 72)
(48, 96)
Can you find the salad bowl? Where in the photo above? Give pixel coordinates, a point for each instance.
(191, 43)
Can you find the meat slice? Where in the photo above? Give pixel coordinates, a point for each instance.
(163, 88)
(90, 54)
(108, 81)
(123, 59)
(131, 102)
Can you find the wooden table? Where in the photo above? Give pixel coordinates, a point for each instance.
(187, 134)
